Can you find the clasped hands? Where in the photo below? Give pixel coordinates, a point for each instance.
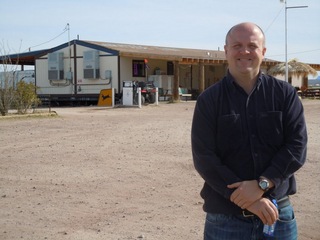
(248, 195)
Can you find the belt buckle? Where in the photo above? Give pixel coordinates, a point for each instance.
(247, 214)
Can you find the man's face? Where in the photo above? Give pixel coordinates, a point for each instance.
(245, 50)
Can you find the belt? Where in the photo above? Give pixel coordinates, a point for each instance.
(282, 203)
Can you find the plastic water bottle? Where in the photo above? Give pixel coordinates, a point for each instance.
(269, 230)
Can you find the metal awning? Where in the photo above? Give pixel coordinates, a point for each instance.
(27, 58)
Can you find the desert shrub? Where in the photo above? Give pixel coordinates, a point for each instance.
(25, 97)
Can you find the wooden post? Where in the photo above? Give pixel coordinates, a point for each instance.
(201, 77)
(304, 82)
(175, 90)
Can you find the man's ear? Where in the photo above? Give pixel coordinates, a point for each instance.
(264, 51)
(225, 49)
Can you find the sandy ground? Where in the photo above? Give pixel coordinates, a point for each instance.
(123, 173)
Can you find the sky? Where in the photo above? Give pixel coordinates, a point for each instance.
(199, 24)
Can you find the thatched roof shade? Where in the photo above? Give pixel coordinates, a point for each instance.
(295, 68)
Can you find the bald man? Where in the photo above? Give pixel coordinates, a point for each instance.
(248, 139)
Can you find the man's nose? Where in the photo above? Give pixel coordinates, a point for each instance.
(244, 50)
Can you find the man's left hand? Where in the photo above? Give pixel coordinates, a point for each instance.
(246, 193)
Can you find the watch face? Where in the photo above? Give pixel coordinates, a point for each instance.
(264, 184)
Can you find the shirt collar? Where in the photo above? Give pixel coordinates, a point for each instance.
(233, 84)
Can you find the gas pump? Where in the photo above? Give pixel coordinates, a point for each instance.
(127, 93)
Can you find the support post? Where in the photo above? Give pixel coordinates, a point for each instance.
(175, 93)
(113, 96)
(139, 97)
(157, 96)
(201, 77)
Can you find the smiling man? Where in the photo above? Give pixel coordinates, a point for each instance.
(248, 139)
(245, 50)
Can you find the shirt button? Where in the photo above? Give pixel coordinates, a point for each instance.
(255, 155)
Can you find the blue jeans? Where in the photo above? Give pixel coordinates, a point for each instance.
(238, 227)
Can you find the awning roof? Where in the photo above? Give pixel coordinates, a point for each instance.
(157, 52)
(27, 58)
(182, 55)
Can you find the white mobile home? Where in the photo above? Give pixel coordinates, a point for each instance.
(76, 71)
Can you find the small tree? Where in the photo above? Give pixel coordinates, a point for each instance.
(25, 96)
(6, 92)
(6, 81)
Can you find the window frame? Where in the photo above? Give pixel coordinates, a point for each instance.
(138, 68)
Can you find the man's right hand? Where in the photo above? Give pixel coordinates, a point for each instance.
(265, 210)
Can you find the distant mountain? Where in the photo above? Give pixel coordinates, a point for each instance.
(314, 82)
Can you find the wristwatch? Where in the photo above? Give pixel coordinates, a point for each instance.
(264, 184)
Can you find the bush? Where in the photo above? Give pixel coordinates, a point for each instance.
(5, 100)
(25, 97)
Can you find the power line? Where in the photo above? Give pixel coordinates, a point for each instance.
(64, 30)
(275, 18)
(308, 51)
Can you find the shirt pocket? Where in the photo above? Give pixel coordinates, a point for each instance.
(270, 127)
(229, 132)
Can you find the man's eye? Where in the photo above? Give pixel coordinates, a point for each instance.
(237, 46)
(253, 46)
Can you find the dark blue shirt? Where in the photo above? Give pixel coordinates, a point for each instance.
(237, 137)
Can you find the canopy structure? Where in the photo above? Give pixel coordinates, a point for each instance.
(295, 69)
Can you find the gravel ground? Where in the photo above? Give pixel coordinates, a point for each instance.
(122, 173)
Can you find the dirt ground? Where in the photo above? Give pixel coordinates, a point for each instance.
(124, 173)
